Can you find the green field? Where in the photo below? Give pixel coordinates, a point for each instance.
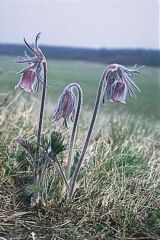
(60, 73)
(118, 189)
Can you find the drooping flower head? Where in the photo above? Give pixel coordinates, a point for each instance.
(31, 75)
(118, 83)
(66, 106)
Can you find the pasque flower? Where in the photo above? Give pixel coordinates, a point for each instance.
(31, 75)
(31, 80)
(69, 106)
(115, 83)
(118, 83)
(66, 106)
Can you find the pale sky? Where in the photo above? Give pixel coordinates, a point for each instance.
(82, 23)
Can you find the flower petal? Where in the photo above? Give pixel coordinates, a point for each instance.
(118, 83)
(66, 106)
(120, 92)
(27, 80)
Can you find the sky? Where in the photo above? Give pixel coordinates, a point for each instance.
(82, 23)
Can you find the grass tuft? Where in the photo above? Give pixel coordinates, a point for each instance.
(118, 196)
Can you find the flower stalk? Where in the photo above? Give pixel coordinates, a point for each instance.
(40, 125)
(74, 129)
(96, 107)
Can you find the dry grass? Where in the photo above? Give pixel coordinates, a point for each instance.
(118, 196)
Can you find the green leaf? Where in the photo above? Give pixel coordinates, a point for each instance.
(57, 145)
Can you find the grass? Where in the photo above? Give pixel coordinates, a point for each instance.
(119, 190)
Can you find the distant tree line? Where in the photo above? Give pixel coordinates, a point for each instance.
(122, 56)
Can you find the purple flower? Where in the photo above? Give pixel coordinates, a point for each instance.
(66, 106)
(27, 80)
(31, 75)
(119, 83)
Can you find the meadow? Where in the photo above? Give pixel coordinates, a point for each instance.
(119, 187)
(61, 73)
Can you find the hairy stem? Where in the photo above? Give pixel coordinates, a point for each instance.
(95, 111)
(59, 168)
(40, 120)
(74, 129)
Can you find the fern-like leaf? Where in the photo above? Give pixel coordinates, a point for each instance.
(57, 143)
(29, 147)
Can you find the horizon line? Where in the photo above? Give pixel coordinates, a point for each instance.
(88, 48)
